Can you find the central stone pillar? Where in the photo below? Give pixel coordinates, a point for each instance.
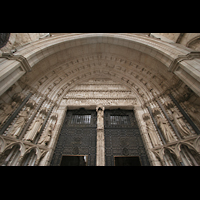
(100, 151)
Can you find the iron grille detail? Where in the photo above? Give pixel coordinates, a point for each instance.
(119, 120)
(77, 136)
(81, 119)
(122, 136)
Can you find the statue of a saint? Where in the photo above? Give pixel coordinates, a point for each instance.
(100, 118)
(162, 123)
(46, 136)
(34, 129)
(180, 124)
(20, 122)
(152, 134)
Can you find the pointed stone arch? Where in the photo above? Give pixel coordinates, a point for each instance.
(12, 144)
(160, 55)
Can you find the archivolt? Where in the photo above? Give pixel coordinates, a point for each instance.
(145, 82)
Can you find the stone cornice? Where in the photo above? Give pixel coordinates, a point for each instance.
(189, 56)
(24, 63)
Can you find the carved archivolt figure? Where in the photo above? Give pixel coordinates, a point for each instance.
(152, 134)
(5, 111)
(18, 97)
(20, 122)
(34, 129)
(180, 124)
(37, 85)
(162, 123)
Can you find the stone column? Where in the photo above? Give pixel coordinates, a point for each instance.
(100, 151)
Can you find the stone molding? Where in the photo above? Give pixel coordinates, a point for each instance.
(190, 56)
(159, 50)
(23, 61)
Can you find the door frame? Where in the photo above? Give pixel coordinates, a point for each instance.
(63, 108)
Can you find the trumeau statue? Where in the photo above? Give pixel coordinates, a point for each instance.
(5, 111)
(152, 134)
(100, 117)
(162, 123)
(34, 129)
(180, 124)
(20, 122)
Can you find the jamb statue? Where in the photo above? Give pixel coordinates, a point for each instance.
(162, 123)
(20, 122)
(180, 124)
(34, 129)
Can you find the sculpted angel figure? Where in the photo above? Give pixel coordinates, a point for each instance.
(162, 123)
(180, 124)
(20, 122)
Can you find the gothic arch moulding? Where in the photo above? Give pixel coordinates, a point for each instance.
(144, 81)
(44, 55)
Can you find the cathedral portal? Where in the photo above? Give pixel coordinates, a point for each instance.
(101, 98)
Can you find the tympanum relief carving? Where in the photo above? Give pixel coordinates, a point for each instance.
(100, 91)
